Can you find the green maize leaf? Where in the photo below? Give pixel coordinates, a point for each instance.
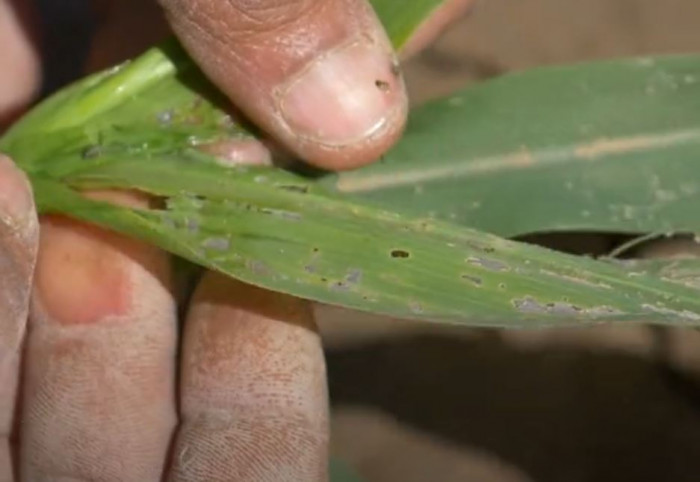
(683, 271)
(140, 127)
(161, 91)
(401, 17)
(275, 230)
(605, 146)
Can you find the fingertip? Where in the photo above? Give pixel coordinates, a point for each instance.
(73, 255)
(98, 387)
(351, 157)
(323, 81)
(253, 391)
(231, 298)
(359, 152)
(347, 106)
(16, 200)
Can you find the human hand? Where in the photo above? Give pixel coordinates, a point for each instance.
(98, 379)
(103, 396)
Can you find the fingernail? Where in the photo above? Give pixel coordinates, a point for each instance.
(346, 95)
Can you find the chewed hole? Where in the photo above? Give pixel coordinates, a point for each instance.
(400, 254)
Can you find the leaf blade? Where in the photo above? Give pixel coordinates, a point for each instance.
(325, 248)
(604, 146)
(401, 20)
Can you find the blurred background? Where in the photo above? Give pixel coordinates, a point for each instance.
(414, 403)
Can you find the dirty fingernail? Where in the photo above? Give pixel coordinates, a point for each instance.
(349, 94)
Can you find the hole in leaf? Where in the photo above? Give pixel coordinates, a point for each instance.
(400, 254)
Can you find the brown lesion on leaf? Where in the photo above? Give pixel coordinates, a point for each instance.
(605, 146)
(532, 306)
(529, 305)
(489, 264)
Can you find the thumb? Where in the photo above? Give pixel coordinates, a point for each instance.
(318, 75)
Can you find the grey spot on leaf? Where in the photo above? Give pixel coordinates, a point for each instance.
(216, 244)
(489, 264)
